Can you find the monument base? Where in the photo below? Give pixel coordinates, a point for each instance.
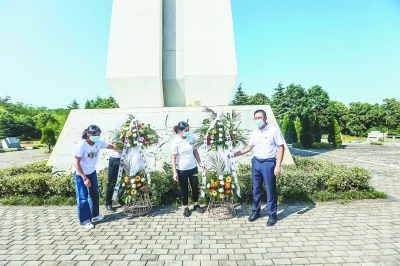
(161, 119)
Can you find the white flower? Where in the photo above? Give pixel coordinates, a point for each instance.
(135, 142)
(126, 128)
(233, 186)
(134, 130)
(134, 135)
(208, 185)
(143, 179)
(226, 142)
(211, 141)
(133, 185)
(128, 145)
(220, 139)
(221, 190)
(123, 184)
(221, 177)
(221, 129)
(220, 123)
(220, 134)
(221, 183)
(228, 125)
(234, 132)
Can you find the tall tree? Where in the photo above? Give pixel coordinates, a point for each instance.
(241, 97)
(259, 99)
(284, 127)
(306, 134)
(73, 105)
(392, 114)
(316, 128)
(296, 101)
(297, 125)
(278, 103)
(334, 136)
(48, 138)
(292, 132)
(318, 100)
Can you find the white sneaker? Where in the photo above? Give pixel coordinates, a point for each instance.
(88, 226)
(97, 218)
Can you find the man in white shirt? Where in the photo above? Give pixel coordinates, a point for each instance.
(267, 144)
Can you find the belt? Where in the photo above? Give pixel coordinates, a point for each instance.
(265, 160)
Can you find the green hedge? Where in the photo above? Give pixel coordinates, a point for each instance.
(308, 180)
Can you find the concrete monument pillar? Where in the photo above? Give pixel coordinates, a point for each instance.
(171, 53)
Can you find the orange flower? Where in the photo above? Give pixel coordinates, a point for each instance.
(227, 185)
(227, 192)
(215, 184)
(137, 178)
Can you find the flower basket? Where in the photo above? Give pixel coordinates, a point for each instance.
(221, 209)
(138, 206)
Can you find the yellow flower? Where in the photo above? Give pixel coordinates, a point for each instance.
(137, 178)
(221, 196)
(213, 148)
(143, 123)
(228, 179)
(214, 193)
(129, 134)
(138, 184)
(212, 181)
(133, 191)
(213, 131)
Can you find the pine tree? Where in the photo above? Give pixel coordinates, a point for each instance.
(337, 138)
(331, 131)
(292, 132)
(279, 103)
(241, 97)
(284, 128)
(306, 134)
(297, 125)
(317, 130)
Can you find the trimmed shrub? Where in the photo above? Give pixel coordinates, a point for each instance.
(319, 145)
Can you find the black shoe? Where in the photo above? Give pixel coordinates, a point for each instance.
(109, 208)
(198, 209)
(254, 216)
(186, 212)
(272, 220)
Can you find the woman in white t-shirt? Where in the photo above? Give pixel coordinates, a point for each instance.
(86, 154)
(184, 158)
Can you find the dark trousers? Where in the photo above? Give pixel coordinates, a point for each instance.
(87, 199)
(113, 167)
(263, 171)
(188, 175)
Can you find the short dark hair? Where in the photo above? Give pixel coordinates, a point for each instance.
(180, 126)
(90, 130)
(260, 111)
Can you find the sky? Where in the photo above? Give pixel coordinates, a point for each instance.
(52, 52)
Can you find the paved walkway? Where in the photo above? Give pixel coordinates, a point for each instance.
(359, 233)
(16, 158)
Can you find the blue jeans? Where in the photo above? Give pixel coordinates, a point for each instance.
(263, 171)
(87, 198)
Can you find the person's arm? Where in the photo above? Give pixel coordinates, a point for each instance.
(113, 147)
(281, 151)
(243, 151)
(197, 156)
(174, 167)
(80, 172)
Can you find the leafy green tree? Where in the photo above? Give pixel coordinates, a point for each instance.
(45, 120)
(285, 127)
(306, 134)
(292, 132)
(258, 99)
(361, 117)
(391, 109)
(340, 111)
(48, 138)
(316, 128)
(101, 103)
(7, 125)
(318, 99)
(297, 125)
(240, 97)
(296, 101)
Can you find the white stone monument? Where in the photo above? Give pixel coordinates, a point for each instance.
(163, 56)
(169, 53)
